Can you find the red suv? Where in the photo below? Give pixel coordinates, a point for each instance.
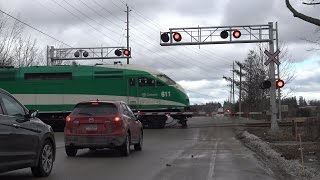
(102, 124)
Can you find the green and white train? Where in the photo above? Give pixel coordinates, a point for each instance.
(54, 90)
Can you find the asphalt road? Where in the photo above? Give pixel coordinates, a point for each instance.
(206, 150)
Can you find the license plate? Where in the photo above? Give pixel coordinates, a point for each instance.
(91, 127)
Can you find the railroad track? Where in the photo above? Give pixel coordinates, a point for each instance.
(268, 124)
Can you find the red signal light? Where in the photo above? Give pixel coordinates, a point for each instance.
(95, 104)
(236, 34)
(177, 37)
(279, 83)
(126, 52)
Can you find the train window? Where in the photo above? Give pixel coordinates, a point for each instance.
(159, 83)
(166, 79)
(132, 82)
(48, 76)
(146, 81)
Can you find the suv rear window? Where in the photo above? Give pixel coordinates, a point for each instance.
(95, 109)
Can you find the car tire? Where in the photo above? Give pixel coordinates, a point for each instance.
(70, 151)
(138, 147)
(125, 148)
(45, 164)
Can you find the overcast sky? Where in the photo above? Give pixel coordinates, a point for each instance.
(92, 23)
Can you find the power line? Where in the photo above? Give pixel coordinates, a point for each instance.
(90, 17)
(136, 42)
(101, 6)
(182, 55)
(99, 14)
(133, 41)
(171, 54)
(35, 28)
(82, 21)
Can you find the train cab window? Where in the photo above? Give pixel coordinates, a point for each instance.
(166, 79)
(146, 81)
(159, 83)
(132, 81)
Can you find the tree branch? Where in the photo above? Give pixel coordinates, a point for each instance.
(302, 16)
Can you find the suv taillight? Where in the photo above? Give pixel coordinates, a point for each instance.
(68, 119)
(116, 119)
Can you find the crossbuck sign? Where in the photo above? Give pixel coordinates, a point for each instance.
(272, 57)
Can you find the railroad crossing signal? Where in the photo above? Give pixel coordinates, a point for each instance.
(272, 57)
(265, 84)
(177, 36)
(236, 34)
(216, 35)
(120, 52)
(279, 84)
(58, 54)
(219, 35)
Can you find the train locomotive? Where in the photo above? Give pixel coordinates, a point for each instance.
(54, 90)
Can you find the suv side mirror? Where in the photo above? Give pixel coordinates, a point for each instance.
(137, 116)
(33, 113)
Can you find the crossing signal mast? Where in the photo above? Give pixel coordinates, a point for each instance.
(233, 35)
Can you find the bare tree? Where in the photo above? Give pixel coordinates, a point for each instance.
(304, 17)
(15, 49)
(9, 35)
(26, 52)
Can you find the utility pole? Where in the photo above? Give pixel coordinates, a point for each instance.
(240, 90)
(233, 83)
(128, 30)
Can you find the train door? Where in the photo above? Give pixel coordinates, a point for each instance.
(132, 93)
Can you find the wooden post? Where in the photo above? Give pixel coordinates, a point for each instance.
(296, 128)
(301, 153)
(293, 128)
